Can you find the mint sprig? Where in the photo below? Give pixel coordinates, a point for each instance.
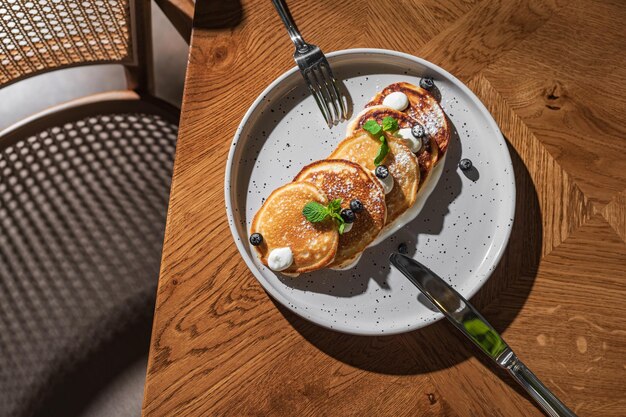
(316, 212)
(390, 124)
(382, 151)
(373, 127)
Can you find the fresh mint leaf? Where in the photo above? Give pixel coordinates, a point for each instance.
(372, 127)
(315, 212)
(341, 223)
(336, 216)
(335, 206)
(382, 151)
(390, 124)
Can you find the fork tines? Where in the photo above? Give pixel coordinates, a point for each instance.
(323, 85)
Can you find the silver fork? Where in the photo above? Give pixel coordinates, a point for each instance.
(315, 70)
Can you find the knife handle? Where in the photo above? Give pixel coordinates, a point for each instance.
(540, 393)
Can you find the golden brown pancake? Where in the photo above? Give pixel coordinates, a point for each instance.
(348, 180)
(402, 163)
(423, 107)
(281, 223)
(426, 157)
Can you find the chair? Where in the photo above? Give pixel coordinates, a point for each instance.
(84, 189)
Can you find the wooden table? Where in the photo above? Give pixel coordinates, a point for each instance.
(553, 74)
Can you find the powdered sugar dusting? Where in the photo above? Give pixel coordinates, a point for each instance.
(432, 121)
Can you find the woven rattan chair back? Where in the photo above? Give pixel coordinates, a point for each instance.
(43, 35)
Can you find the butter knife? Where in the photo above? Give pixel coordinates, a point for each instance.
(472, 324)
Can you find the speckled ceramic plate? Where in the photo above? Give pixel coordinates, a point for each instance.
(460, 233)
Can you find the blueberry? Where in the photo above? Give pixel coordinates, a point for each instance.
(465, 164)
(348, 215)
(427, 83)
(356, 206)
(403, 248)
(256, 239)
(381, 172)
(418, 130)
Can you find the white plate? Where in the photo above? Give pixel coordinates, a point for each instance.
(460, 233)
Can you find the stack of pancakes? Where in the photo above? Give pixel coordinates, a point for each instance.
(348, 174)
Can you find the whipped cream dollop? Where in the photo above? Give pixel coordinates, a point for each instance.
(280, 259)
(396, 100)
(414, 143)
(347, 227)
(386, 182)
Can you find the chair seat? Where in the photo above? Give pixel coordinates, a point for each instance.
(83, 203)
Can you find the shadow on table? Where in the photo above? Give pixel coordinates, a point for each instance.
(217, 14)
(440, 346)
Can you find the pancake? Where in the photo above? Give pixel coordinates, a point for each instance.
(281, 223)
(348, 180)
(427, 157)
(423, 107)
(402, 163)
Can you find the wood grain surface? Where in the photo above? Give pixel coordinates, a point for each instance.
(553, 74)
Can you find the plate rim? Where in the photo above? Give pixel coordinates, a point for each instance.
(239, 243)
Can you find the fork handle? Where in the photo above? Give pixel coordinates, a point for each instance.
(294, 33)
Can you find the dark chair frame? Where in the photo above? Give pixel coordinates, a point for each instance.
(138, 97)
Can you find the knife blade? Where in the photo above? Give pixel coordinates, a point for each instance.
(474, 326)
